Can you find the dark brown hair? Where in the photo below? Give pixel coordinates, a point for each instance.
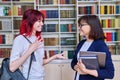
(96, 28)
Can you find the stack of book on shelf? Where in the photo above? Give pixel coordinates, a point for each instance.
(6, 38)
(87, 9)
(110, 23)
(67, 1)
(67, 54)
(110, 9)
(67, 28)
(67, 13)
(50, 28)
(5, 52)
(6, 25)
(5, 11)
(114, 49)
(16, 0)
(112, 35)
(44, 2)
(50, 13)
(68, 41)
(16, 24)
(51, 41)
(18, 10)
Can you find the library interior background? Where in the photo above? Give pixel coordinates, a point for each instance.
(60, 30)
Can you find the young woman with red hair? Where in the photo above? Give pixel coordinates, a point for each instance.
(31, 27)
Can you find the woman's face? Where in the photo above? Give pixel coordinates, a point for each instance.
(84, 29)
(38, 26)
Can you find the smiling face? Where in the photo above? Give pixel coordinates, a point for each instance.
(84, 28)
(37, 26)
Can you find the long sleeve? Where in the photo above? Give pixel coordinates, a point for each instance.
(103, 73)
(108, 71)
(74, 60)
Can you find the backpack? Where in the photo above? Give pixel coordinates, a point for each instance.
(6, 74)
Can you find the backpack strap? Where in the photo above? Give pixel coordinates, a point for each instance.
(32, 58)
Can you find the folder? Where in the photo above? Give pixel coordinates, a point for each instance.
(93, 58)
(91, 62)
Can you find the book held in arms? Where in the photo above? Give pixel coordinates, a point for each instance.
(93, 60)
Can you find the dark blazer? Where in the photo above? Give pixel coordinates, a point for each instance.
(103, 73)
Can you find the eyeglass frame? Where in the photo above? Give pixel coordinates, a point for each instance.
(81, 25)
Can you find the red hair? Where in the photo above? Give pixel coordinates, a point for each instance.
(30, 16)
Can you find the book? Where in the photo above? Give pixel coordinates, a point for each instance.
(100, 56)
(91, 62)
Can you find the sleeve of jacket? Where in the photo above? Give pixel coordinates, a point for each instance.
(108, 70)
(74, 60)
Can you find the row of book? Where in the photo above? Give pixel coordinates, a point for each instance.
(51, 41)
(67, 54)
(112, 36)
(5, 52)
(46, 2)
(87, 9)
(67, 13)
(110, 9)
(96, 0)
(55, 28)
(5, 11)
(16, 24)
(6, 38)
(109, 36)
(50, 28)
(114, 49)
(64, 41)
(16, 0)
(110, 23)
(6, 24)
(68, 41)
(67, 27)
(88, 0)
(55, 14)
(17, 10)
(50, 13)
(67, 1)
(104, 9)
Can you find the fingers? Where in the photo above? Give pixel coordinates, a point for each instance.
(40, 39)
(80, 61)
(60, 56)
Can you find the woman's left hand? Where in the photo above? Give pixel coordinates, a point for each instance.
(59, 56)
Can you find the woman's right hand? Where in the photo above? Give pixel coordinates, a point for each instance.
(35, 45)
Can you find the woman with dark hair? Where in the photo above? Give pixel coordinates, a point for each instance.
(90, 28)
(31, 27)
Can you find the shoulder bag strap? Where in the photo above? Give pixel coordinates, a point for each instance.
(31, 58)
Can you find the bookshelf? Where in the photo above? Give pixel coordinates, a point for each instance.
(59, 31)
(109, 13)
(10, 18)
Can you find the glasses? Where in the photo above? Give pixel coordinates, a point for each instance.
(81, 25)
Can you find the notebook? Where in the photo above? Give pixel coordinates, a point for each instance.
(89, 56)
(91, 62)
